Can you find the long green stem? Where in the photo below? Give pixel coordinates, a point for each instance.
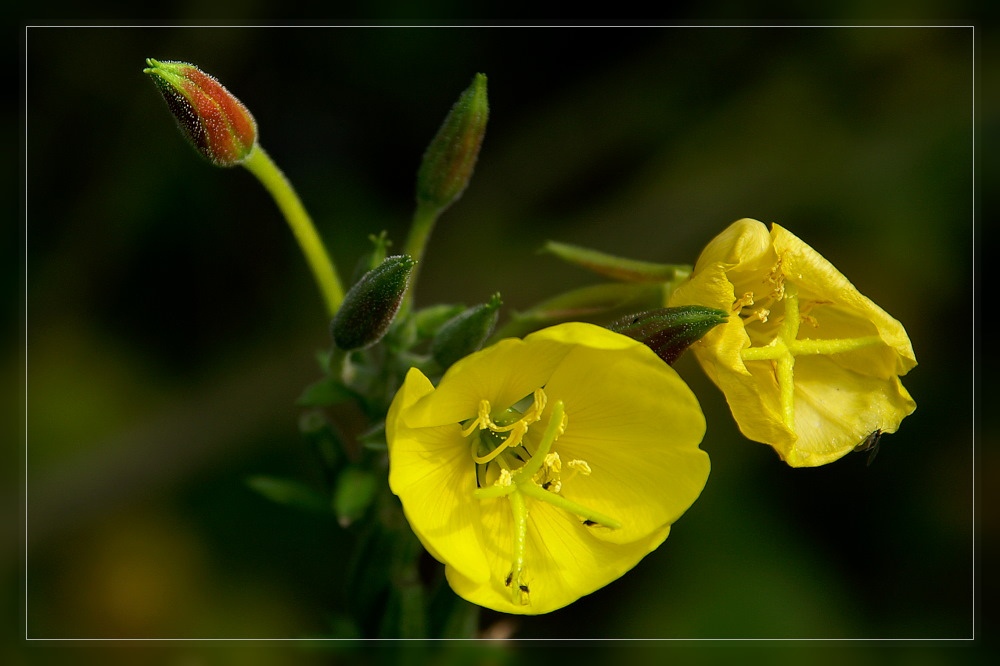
(325, 273)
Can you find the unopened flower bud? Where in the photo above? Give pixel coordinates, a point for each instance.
(669, 331)
(371, 304)
(466, 332)
(451, 156)
(213, 120)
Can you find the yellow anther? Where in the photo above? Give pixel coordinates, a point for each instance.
(548, 476)
(505, 479)
(744, 301)
(482, 421)
(777, 280)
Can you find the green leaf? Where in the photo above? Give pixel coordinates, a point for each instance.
(289, 493)
(356, 488)
(326, 392)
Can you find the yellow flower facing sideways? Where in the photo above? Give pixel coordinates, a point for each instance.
(542, 469)
(809, 365)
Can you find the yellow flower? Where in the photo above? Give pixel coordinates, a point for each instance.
(810, 366)
(540, 470)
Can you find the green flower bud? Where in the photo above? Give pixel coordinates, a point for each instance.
(214, 121)
(466, 332)
(451, 156)
(371, 304)
(669, 331)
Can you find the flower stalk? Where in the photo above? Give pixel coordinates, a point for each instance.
(260, 164)
(223, 131)
(448, 163)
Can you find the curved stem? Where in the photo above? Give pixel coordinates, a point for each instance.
(263, 167)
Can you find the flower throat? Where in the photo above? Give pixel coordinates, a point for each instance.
(524, 474)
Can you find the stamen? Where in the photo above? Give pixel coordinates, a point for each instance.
(482, 421)
(514, 439)
(578, 467)
(502, 487)
(746, 300)
(548, 476)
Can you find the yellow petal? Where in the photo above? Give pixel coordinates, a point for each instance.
(835, 409)
(563, 560)
(638, 426)
(630, 417)
(850, 313)
(838, 398)
(745, 241)
(430, 472)
(503, 374)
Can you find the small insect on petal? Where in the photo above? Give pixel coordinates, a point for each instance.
(870, 443)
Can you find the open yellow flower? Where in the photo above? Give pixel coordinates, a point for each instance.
(810, 366)
(540, 470)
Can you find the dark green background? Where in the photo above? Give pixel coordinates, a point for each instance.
(171, 321)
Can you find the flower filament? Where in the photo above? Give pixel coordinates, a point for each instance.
(785, 346)
(524, 474)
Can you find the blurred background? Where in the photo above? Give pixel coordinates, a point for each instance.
(172, 323)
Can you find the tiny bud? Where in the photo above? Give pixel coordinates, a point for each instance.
(371, 304)
(669, 331)
(369, 260)
(451, 156)
(356, 488)
(466, 332)
(213, 120)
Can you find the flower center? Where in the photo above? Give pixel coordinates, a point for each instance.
(499, 439)
(785, 346)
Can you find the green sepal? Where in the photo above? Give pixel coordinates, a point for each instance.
(289, 493)
(466, 332)
(371, 304)
(669, 331)
(617, 268)
(356, 488)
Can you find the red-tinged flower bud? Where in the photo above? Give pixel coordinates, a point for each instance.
(216, 123)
